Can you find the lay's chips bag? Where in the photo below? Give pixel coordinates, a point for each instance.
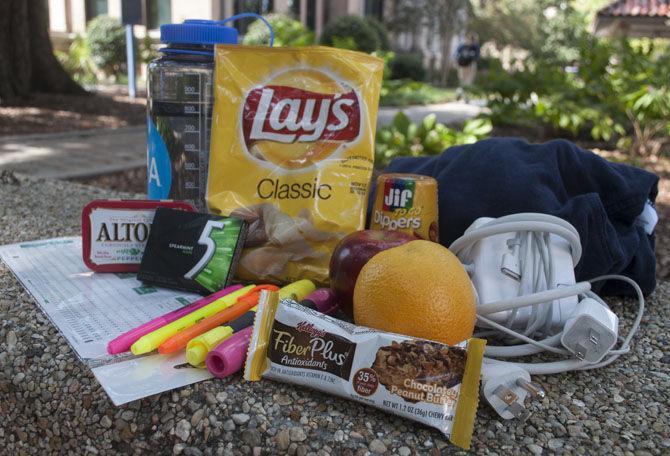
(292, 153)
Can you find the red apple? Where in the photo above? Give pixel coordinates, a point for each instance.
(350, 256)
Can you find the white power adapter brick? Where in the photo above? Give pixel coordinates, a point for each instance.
(493, 270)
(591, 331)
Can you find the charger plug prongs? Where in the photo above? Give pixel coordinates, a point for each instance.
(535, 389)
(511, 400)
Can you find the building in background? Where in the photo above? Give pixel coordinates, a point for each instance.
(635, 18)
(69, 18)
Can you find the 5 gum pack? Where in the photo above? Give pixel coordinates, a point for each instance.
(192, 251)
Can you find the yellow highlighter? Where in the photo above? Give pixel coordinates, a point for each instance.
(297, 290)
(198, 347)
(151, 341)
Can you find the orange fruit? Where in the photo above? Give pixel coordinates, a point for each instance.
(419, 289)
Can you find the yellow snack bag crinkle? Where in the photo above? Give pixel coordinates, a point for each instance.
(292, 152)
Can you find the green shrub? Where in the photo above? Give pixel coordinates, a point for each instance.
(364, 37)
(346, 42)
(380, 30)
(406, 138)
(403, 92)
(387, 57)
(288, 32)
(620, 89)
(77, 62)
(106, 41)
(641, 83)
(147, 50)
(408, 66)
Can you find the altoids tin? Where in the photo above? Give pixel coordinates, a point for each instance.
(115, 232)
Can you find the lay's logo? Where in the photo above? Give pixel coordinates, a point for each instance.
(287, 115)
(295, 127)
(398, 194)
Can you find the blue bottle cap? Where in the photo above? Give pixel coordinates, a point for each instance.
(198, 31)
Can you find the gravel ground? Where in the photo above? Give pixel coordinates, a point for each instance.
(51, 403)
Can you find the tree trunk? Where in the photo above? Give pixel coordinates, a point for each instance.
(27, 61)
(446, 39)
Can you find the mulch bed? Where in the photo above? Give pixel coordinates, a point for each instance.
(49, 113)
(131, 181)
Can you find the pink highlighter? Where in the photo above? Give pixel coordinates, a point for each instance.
(228, 357)
(123, 342)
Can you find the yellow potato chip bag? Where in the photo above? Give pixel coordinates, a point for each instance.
(292, 153)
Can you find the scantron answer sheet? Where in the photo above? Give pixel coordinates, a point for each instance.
(91, 308)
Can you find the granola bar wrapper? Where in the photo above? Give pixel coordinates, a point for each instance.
(425, 381)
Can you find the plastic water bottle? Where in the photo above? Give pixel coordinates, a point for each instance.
(179, 108)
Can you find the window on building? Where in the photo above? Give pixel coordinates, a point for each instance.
(329, 10)
(96, 8)
(294, 8)
(250, 6)
(311, 14)
(375, 8)
(158, 12)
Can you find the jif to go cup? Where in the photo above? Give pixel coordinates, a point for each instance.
(406, 202)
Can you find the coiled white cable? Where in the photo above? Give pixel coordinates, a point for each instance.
(524, 221)
(532, 245)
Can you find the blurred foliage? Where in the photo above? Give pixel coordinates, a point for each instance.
(380, 31)
(80, 63)
(401, 92)
(407, 66)
(345, 42)
(352, 31)
(640, 80)
(288, 32)
(618, 89)
(405, 92)
(106, 39)
(147, 50)
(548, 29)
(571, 82)
(387, 57)
(77, 62)
(404, 138)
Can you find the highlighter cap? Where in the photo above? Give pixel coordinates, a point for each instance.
(297, 290)
(195, 355)
(323, 301)
(228, 357)
(141, 346)
(198, 347)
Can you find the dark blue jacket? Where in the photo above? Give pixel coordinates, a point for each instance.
(501, 176)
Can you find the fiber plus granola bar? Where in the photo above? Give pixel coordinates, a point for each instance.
(425, 381)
